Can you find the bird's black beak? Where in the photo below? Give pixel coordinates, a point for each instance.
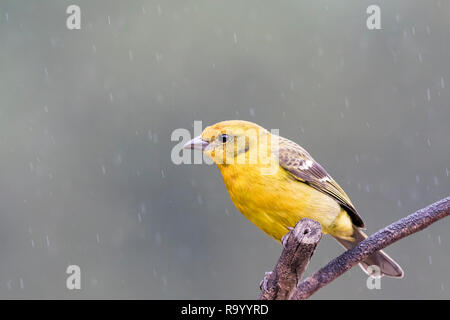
(196, 143)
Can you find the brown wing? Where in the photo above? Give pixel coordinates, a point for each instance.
(302, 166)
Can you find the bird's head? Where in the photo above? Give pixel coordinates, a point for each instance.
(233, 142)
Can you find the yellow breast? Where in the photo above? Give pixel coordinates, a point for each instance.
(274, 202)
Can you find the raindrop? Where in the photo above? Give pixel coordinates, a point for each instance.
(292, 85)
(158, 239)
(46, 109)
(158, 57)
(109, 20)
(436, 181)
(428, 94)
(347, 103)
(47, 240)
(98, 238)
(320, 52)
(160, 97)
(442, 83)
(143, 208)
(163, 175)
(252, 112)
(159, 9)
(130, 55)
(103, 169)
(430, 261)
(235, 38)
(21, 283)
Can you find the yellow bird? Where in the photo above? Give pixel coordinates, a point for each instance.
(275, 183)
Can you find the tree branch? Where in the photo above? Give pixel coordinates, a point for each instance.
(379, 240)
(299, 245)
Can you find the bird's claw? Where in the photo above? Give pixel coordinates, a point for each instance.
(285, 238)
(263, 283)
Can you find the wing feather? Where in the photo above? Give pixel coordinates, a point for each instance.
(299, 163)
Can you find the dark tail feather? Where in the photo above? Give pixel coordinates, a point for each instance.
(387, 265)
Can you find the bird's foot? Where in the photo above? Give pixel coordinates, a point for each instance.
(263, 283)
(285, 237)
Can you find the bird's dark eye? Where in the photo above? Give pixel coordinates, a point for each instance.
(224, 138)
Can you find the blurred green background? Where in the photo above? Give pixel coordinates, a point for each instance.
(86, 118)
